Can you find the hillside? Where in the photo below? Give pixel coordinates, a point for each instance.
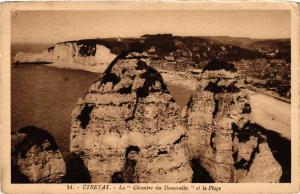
(202, 47)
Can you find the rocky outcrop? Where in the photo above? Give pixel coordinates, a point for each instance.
(72, 55)
(183, 79)
(127, 128)
(36, 157)
(43, 57)
(220, 135)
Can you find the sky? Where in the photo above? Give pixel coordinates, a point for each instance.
(58, 26)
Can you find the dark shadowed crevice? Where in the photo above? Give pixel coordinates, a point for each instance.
(253, 154)
(76, 171)
(110, 77)
(212, 136)
(190, 102)
(246, 108)
(244, 164)
(234, 127)
(30, 63)
(200, 174)
(125, 90)
(179, 139)
(172, 100)
(17, 176)
(244, 135)
(117, 177)
(150, 76)
(128, 174)
(234, 130)
(132, 148)
(216, 108)
(84, 116)
(215, 88)
(245, 132)
(234, 155)
(134, 109)
(232, 88)
(160, 152)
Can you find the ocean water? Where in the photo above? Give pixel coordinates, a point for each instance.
(45, 96)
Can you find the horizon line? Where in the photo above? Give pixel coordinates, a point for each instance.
(225, 36)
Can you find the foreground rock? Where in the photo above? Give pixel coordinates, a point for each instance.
(128, 127)
(220, 135)
(36, 157)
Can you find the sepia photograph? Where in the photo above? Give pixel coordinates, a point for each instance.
(150, 96)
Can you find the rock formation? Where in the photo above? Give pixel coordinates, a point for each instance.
(44, 57)
(127, 128)
(183, 79)
(220, 135)
(72, 55)
(36, 157)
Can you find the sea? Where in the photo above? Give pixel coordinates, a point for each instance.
(44, 96)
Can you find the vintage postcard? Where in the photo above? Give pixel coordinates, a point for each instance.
(150, 97)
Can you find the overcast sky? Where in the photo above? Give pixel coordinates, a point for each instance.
(56, 26)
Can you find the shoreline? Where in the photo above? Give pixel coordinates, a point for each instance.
(269, 93)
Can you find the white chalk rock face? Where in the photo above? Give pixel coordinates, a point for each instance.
(94, 58)
(220, 135)
(71, 55)
(103, 55)
(43, 57)
(36, 157)
(128, 127)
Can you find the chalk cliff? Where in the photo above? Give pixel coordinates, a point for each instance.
(219, 131)
(43, 57)
(71, 55)
(128, 127)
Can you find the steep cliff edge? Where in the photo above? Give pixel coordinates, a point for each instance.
(128, 127)
(220, 135)
(73, 55)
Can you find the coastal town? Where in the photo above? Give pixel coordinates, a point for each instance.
(264, 65)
